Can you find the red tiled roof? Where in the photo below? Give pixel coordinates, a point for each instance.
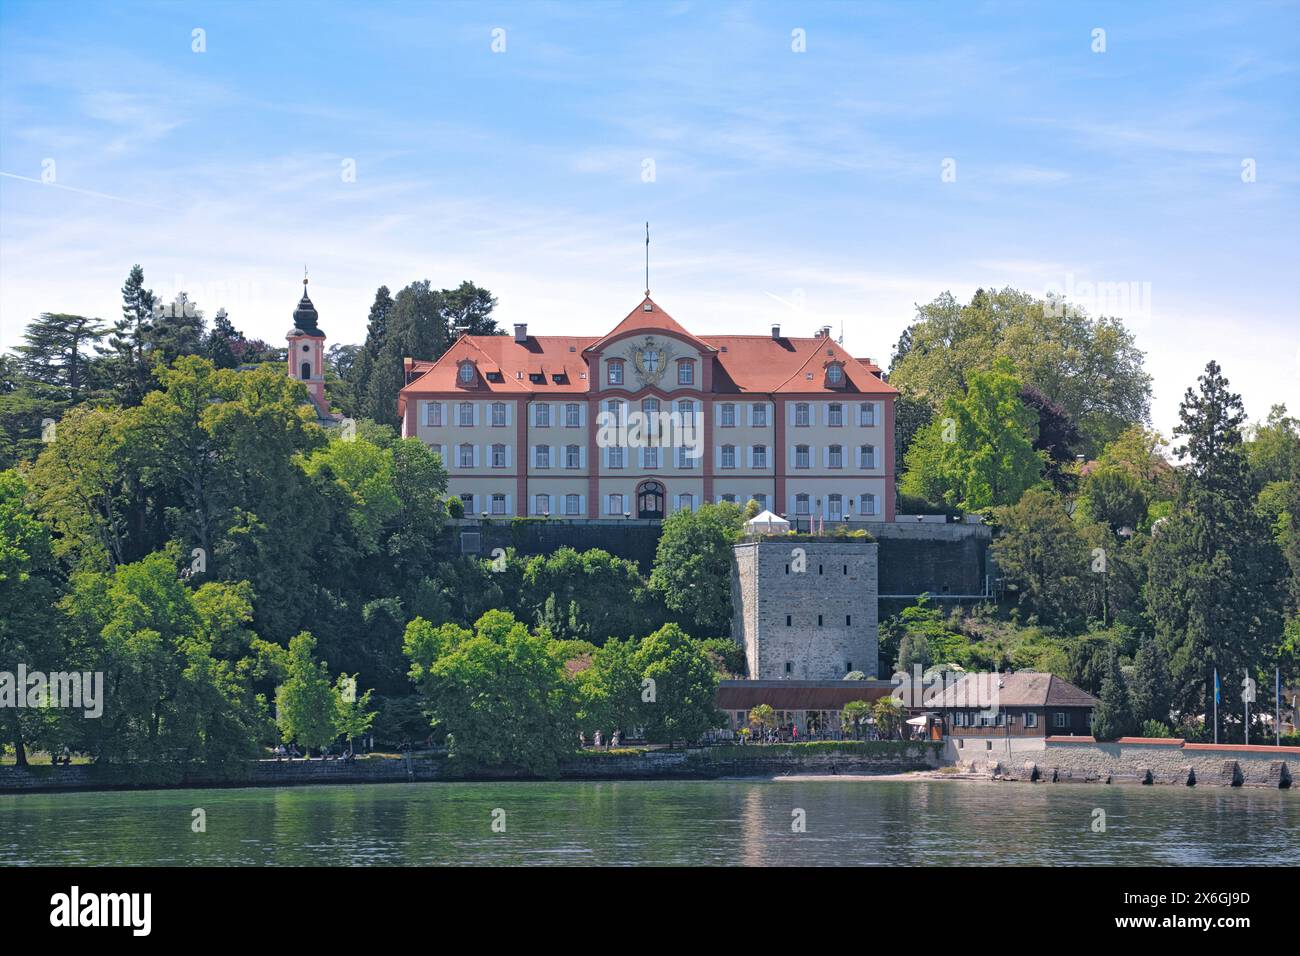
(656, 319)
(742, 363)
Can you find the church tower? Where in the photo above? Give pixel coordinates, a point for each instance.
(307, 352)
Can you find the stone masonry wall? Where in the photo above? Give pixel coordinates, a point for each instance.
(1168, 763)
(764, 593)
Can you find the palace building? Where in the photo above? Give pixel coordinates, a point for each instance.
(650, 419)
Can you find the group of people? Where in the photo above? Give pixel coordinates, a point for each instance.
(598, 740)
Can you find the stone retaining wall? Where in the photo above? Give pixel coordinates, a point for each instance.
(1165, 762)
(698, 764)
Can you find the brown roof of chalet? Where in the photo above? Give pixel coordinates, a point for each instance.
(1022, 689)
(798, 694)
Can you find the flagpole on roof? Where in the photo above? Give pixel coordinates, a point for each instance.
(647, 260)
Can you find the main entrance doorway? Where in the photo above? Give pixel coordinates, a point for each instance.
(650, 500)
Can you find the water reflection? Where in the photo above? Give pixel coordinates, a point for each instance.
(659, 823)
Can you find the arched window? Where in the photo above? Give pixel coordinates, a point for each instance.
(305, 369)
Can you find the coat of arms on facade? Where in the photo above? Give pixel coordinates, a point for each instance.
(651, 360)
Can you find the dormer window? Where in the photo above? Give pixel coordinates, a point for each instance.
(835, 374)
(466, 374)
(615, 372)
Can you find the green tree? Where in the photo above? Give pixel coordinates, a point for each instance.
(1115, 497)
(368, 355)
(678, 703)
(83, 484)
(30, 585)
(1140, 453)
(353, 718)
(889, 715)
(1217, 578)
(1042, 556)
(1090, 367)
(55, 356)
(178, 666)
(1152, 685)
(854, 716)
(610, 689)
(219, 346)
(1272, 448)
(590, 595)
(980, 452)
(129, 344)
(307, 707)
(692, 569)
(913, 652)
(177, 329)
(503, 701)
(763, 719)
(1113, 717)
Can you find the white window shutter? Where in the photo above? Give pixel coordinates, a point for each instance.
(475, 457)
(509, 508)
(790, 455)
(582, 505)
(510, 413)
(582, 456)
(717, 456)
(790, 505)
(510, 459)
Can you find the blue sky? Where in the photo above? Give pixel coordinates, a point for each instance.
(799, 187)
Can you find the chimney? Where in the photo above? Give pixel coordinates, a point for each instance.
(776, 331)
(824, 332)
(521, 332)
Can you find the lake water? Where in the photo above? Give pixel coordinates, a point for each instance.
(650, 823)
